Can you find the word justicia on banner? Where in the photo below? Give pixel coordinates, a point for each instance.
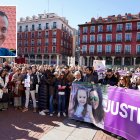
(112, 109)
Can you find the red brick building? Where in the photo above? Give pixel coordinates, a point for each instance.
(44, 39)
(115, 39)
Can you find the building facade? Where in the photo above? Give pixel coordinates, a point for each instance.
(44, 39)
(115, 39)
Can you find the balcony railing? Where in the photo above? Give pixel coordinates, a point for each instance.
(127, 40)
(119, 30)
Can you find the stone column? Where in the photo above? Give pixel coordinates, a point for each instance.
(35, 58)
(50, 59)
(134, 61)
(122, 61)
(80, 61)
(88, 60)
(95, 57)
(42, 59)
(57, 61)
(83, 60)
(113, 57)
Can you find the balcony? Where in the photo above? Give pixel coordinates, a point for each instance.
(119, 30)
(46, 44)
(46, 36)
(39, 28)
(38, 44)
(54, 27)
(54, 43)
(99, 41)
(138, 53)
(91, 53)
(84, 42)
(118, 53)
(92, 41)
(100, 31)
(109, 30)
(108, 53)
(118, 40)
(128, 40)
(108, 41)
(127, 52)
(92, 31)
(138, 40)
(84, 32)
(128, 29)
(54, 36)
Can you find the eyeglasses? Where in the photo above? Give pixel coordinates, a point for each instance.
(94, 98)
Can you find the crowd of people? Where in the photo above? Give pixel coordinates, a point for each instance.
(47, 88)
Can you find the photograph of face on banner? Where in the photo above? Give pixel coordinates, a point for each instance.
(86, 105)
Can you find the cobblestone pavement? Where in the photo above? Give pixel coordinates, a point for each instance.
(16, 125)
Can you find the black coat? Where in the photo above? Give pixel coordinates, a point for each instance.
(42, 92)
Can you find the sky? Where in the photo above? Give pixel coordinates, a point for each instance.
(75, 11)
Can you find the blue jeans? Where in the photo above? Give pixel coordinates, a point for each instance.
(51, 104)
(61, 101)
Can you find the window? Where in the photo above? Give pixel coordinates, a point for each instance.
(92, 38)
(32, 43)
(128, 26)
(138, 48)
(39, 42)
(127, 48)
(39, 26)
(25, 50)
(85, 29)
(138, 36)
(108, 48)
(119, 37)
(99, 37)
(138, 25)
(33, 27)
(128, 37)
(47, 25)
(119, 27)
(38, 49)
(91, 48)
(53, 41)
(54, 33)
(20, 28)
(26, 28)
(108, 37)
(39, 34)
(84, 48)
(92, 29)
(46, 34)
(26, 35)
(118, 48)
(32, 50)
(99, 48)
(32, 35)
(109, 28)
(84, 39)
(25, 43)
(100, 28)
(19, 43)
(46, 49)
(46, 42)
(54, 49)
(54, 25)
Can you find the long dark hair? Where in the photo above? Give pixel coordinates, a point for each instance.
(98, 113)
(76, 101)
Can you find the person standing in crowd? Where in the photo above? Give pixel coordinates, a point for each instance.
(30, 85)
(69, 79)
(110, 79)
(77, 76)
(4, 79)
(18, 87)
(62, 94)
(42, 92)
(89, 77)
(3, 35)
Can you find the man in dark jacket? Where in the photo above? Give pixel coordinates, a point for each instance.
(110, 78)
(90, 76)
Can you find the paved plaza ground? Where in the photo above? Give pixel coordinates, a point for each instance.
(16, 125)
